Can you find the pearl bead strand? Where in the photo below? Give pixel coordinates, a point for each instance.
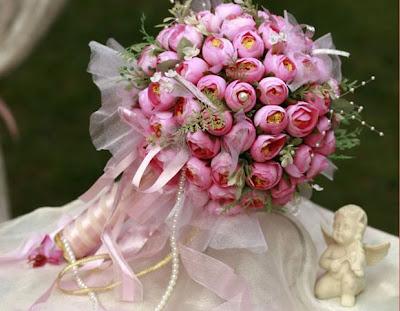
(173, 243)
(75, 271)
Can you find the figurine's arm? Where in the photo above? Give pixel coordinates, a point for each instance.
(326, 259)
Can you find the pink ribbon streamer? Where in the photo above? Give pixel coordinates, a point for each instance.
(8, 119)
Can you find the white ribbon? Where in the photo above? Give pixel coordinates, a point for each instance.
(330, 52)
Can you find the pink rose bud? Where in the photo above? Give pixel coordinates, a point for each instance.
(271, 119)
(147, 60)
(317, 136)
(198, 173)
(145, 103)
(283, 193)
(240, 95)
(267, 147)
(184, 31)
(222, 122)
(212, 22)
(212, 84)
(273, 91)
(246, 69)
(161, 99)
(303, 118)
(243, 134)
(280, 66)
(264, 176)
(184, 109)
(202, 145)
(249, 44)
(218, 52)
(321, 103)
(220, 168)
(164, 37)
(223, 195)
(228, 10)
(253, 199)
(163, 124)
(327, 145)
(231, 26)
(216, 209)
(301, 162)
(319, 164)
(192, 69)
(270, 31)
(167, 56)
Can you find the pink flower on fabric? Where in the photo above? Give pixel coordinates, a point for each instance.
(303, 118)
(267, 147)
(47, 252)
(192, 69)
(198, 172)
(247, 69)
(273, 91)
(203, 145)
(249, 44)
(271, 119)
(264, 176)
(218, 52)
(181, 31)
(240, 95)
(213, 84)
(281, 66)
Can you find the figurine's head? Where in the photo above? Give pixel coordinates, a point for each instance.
(349, 224)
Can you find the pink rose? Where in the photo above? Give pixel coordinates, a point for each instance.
(167, 56)
(223, 122)
(202, 145)
(184, 31)
(270, 31)
(185, 108)
(283, 193)
(160, 99)
(147, 60)
(220, 168)
(228, 10)
(212, 22)
(218, 52)
(192, 69)
(240, 95)
(198, 173)
(264, 176)
(253, 199)
(327, 145)
(267, 147)
(216, 209)
(271, 119)
(319, 164)
(317, 136)
(249, 44)
(163, 124)
(321, 103)
(223, 195)
(164, 37)
(280, 66)
(303, 118)
(212, 84)
(145, 103)
(273, 91)
(246, 69)
(231, 26)
(263, 15)
(242, 134)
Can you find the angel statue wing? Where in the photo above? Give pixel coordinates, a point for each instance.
(375, 253)
(327, 236)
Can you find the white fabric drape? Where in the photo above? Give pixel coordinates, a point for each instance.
(22, 23)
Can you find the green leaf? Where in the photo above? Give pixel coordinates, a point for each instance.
(167, 65)
(342, 104)
(184, 43)
(340, 157)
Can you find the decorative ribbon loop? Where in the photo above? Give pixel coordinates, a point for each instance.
(330, 52)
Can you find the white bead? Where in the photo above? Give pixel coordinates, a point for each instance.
(323, 133)
(331, 111)
(352, 90)
(372, 128)
(381, 134)
(243, 96)
(351, 103)
(353, 117)
(363, 83)
(372, 78)
(341, 112)
(363, 122)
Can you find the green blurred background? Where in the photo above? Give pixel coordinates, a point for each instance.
(52, 97)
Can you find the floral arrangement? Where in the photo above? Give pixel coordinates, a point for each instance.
(230, 109)
(273, 115)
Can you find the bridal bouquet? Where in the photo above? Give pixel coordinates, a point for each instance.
(229, 110)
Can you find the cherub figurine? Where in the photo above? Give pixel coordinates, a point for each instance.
(346, 256)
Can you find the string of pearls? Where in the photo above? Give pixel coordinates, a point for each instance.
(357, 107)
(173, 242)
(69, 253)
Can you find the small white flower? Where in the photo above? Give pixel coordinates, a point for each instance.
(317, 187)
(275, 38)
(189, 52)
(156, 77)
(171, 73)
(167, 85)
